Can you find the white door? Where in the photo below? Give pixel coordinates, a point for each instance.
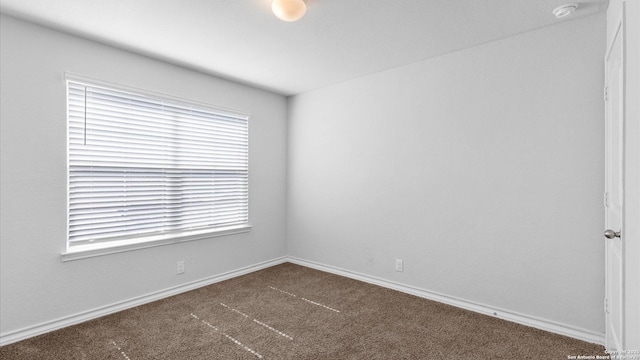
(614, 195)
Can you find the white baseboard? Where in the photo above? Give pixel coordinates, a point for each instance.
(542, 324)
(523, 319)
(31, 331)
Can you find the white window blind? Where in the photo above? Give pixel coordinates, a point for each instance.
(142, 166)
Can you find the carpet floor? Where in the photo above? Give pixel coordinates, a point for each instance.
(293, 312)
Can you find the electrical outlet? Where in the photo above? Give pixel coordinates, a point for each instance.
(180, 267)
(399, 265)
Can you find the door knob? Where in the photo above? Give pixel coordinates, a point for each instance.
(610, 234)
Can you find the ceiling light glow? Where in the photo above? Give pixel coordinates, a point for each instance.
(289, 10)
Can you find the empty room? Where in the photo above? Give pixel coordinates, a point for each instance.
(320, 179)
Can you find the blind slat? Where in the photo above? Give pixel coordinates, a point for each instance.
(141, 166)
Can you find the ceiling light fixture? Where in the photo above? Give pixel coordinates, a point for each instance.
(289, 10)
(564, 10)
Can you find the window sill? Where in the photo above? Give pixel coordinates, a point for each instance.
(99, 249)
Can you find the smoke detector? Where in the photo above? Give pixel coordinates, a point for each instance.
(564, 10)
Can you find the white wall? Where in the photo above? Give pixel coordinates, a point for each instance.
(36, 287)
(481, 169)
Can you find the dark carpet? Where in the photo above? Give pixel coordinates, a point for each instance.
(293, 312)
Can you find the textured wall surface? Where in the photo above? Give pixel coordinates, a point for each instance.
(481, 169)
(36, 287)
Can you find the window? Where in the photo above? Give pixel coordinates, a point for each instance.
(148, 169)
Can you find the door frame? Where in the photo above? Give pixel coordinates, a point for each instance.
(627, 13)
(612, 141)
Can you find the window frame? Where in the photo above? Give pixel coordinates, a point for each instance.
(74, 252)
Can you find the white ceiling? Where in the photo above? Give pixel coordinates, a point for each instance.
(336, 40)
